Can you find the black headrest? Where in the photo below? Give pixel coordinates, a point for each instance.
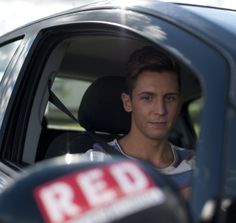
(101, 107)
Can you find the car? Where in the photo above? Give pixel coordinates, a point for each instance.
(48, 66)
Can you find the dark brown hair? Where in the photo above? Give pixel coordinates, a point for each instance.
(149, 59)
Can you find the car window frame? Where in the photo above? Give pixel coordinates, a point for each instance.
(8, 78)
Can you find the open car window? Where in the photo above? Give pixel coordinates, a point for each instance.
(6, 53)
(70, 92)
(83, 60)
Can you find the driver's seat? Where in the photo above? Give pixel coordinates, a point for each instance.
(101, 109)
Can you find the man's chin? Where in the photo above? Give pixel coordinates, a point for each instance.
(158, 136)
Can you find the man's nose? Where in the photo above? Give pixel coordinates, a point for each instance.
(160, 107)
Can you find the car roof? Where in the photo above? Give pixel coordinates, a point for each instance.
(222, 17)
(192, 17)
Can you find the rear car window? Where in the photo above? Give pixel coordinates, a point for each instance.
(6, 54)
(70, 92)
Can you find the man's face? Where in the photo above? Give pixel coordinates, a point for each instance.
(155, 104)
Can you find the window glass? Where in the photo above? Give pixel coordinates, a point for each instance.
(6, 54)
(70, 92)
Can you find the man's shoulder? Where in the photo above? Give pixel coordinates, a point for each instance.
(114, 143)
(184, 159)
(183, 153)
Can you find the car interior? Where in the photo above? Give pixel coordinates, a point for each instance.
(86, 74)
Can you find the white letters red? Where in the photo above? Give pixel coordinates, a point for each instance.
(95, 187)
(71, 196)
(129, 177)
(56, 199)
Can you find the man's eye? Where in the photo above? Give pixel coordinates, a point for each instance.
(146, 98)
(170, 98)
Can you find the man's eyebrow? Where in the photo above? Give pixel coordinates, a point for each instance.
(152, 93)
(146, 92)
(173, 93)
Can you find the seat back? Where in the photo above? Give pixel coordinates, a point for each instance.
(101, 108)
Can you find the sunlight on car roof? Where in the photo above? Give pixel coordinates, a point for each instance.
(126, 3)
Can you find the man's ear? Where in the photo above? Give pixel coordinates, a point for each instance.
(126, 102)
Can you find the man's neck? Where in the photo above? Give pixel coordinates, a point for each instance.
(158, 152)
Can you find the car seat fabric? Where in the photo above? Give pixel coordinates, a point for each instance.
(101, 108)
(69, 142)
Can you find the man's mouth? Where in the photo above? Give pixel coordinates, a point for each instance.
(158, 123)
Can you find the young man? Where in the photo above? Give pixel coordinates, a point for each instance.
(154, 99)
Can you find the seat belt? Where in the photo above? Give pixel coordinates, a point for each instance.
(58, 103)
